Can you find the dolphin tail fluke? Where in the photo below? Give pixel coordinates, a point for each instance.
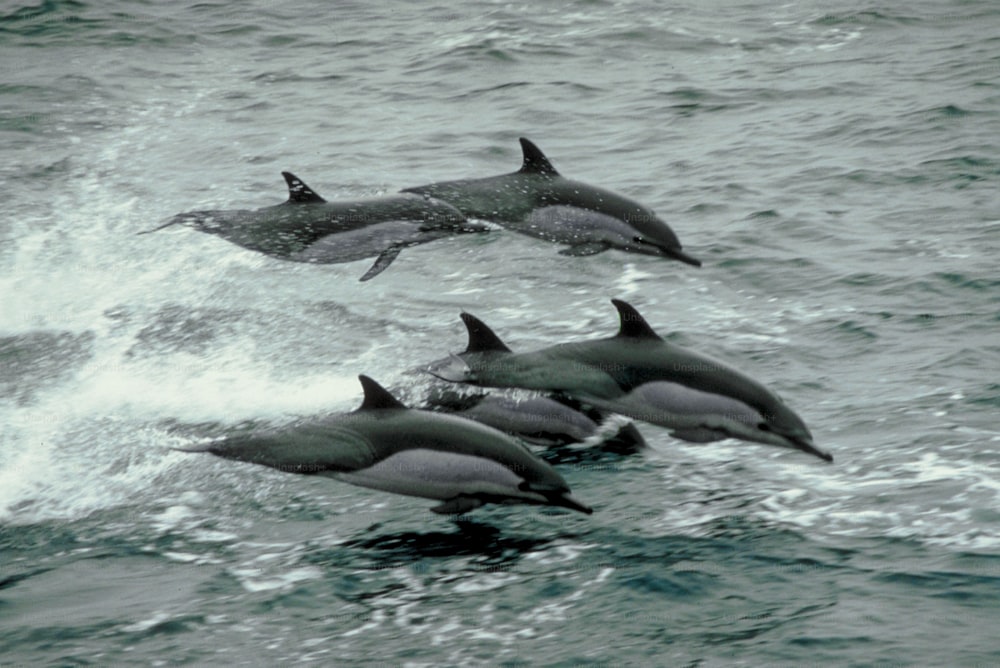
(204, 446)
(172, 221)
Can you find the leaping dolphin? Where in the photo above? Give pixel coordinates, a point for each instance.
(536, 200)
(638, 374)
(386, 446)
(307, 228)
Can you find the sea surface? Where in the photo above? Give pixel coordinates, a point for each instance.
(836, 165)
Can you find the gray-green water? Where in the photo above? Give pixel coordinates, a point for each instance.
(833, 164)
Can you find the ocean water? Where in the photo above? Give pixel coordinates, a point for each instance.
(835, 166)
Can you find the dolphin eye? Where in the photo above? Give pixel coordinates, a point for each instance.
(763, 426)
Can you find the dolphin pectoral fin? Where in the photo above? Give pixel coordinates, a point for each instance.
(457, 505)
(382, 262)
(588, 248)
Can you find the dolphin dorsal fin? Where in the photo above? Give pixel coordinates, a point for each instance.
(299, 192)
(633, 325)
(376, 396)
(535, 161)
(481, 338)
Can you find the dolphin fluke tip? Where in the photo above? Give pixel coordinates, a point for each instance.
(172, 221)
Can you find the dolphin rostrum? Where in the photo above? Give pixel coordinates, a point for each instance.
(386, 446)
(536, 200)
(638, 374)
(307, 228)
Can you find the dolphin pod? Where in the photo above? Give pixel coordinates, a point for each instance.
(307, 228)
(386, 446)
(536, 200)
(467, 451)
(637, 374)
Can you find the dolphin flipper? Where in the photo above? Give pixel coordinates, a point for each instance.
(382, 263)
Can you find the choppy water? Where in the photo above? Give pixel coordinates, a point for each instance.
(834, 164)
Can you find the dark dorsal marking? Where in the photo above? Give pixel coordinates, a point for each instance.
(535, 161)
(376, 396)
(633, 325)
(481, 338)
(299, 192)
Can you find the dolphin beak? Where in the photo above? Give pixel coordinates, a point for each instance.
(674, 253)
(566, 500)
(806, 446)
(678, 254)
(454, 370)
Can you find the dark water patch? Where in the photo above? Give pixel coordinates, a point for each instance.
(966, 282)
(989, 396)
(687, 101)
(488, 543)
(853, 330)
(962, 171)
(40, 359)
(75, 23)
(74, 609)
(872, 17)
(676, 585)
(295, 76)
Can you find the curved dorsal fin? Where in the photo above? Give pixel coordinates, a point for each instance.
(633, 325)
(481, 338)
(376, 396)
(535, 161)
(299, 192)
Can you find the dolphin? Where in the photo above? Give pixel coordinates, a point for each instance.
(638, 374)
(386, 446)
(536, 200)
(307, 228)
(538, 419)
